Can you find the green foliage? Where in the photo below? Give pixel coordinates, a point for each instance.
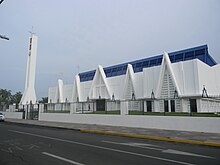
(7, 98)
(43, 100)
(16, 98)
(174, 114)
(105, 112)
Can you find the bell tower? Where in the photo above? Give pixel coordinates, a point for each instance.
(29, 94)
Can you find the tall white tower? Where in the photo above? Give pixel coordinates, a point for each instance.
(29, 94)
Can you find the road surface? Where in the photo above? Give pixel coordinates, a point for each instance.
(33, 145)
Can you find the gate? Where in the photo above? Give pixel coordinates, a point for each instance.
(33, 111)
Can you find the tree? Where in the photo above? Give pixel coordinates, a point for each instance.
(43, 100)
(16, 98)
(5, 96)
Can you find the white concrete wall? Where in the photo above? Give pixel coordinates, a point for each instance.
(150, 80)
(84, 89)
(190, 78)
(209, 78)
(67, 92)
(197, 124)
(13, 115)
(52, 95)
(116, 84)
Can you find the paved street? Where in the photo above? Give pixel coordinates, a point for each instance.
(26, 144)
(203, 138)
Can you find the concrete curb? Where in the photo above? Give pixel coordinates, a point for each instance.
(212, 144)
(41, 125)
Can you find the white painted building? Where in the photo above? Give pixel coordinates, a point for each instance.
(182, 81)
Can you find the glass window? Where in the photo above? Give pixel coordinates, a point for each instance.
(172, 59)
(153, 62)
(138, 67)
(145, 64)
(159, 60)
(114, 71)
(108, 72)
(179, 57)
(189, 55)
(200, 52)
(124, 69)
(119, 71)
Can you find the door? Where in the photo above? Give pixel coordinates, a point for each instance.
(166, 106)
(100, 105)
(172, 102)
(193, 105)
(149, 106)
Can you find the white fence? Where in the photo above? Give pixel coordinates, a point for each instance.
(197, 124)
(13, 115)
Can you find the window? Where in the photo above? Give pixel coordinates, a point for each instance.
(153, 62)
(108, 72)
(138, 67)
(179, 57)
(159, 60)
(172, 58)
(200, 52)
(114, 72)
(145, 64)
(119, 71)
(124, 69)
(189, 55)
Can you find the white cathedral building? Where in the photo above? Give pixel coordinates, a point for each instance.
(182, 81)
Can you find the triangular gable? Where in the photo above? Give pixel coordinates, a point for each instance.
(166, 75)
(129, 87)
(76, 89)
(99, 86)
(59, 92)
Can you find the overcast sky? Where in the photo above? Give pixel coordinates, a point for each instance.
(78, 35)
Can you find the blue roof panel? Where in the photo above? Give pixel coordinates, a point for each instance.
(200, 52)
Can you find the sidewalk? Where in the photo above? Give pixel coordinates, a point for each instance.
(209, 139)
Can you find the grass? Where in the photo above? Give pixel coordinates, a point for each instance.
(174, 114)
(145, 113)
(206, 114)
(117, 112)
(105, 112)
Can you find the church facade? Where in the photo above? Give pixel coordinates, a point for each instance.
(182, 81)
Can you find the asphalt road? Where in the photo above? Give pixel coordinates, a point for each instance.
(33, 145)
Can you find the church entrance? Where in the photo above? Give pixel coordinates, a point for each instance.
(100, 105)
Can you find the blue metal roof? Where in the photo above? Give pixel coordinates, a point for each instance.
(200, 52)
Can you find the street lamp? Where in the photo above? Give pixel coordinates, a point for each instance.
(4, 37)
(1, 1)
